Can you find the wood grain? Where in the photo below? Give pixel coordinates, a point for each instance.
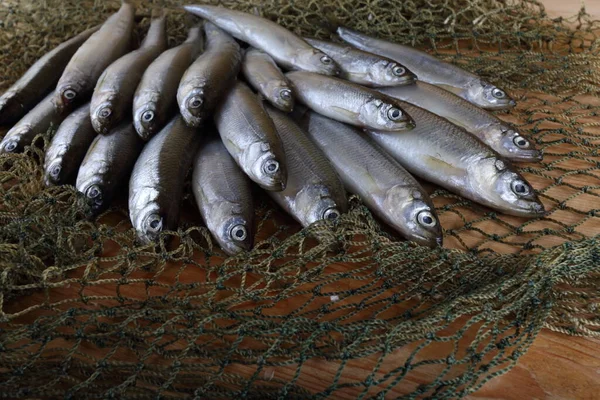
(556, 366)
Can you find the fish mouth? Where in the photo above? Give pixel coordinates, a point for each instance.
(53, 174)
(500, 107)
(12, 145)
(527, 156)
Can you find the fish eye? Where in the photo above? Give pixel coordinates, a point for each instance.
(69, 94)
(500, 165)
(520, 188)
(93, 192)
(521, 142)
(326, 60)
(195, 102)
(394, 114)
(271, 167)
(426, 218)
(285, 94)
(398, 70)
(105, 112)
(239, 233)
(154, 223)
(331, 214)
(11, 146)
(499, 94)
(55, 171)
(148, 116)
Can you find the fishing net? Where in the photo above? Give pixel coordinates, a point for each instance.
(88, 312)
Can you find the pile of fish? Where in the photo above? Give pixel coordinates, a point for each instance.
(243, 100)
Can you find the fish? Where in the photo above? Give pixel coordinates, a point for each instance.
(286, 48)
(209, 77)
(112, 100)
(266, 78)
(109, 43)
(447, 155)
(499, 135)
(382, 183)
(223, 194)
(156, 184)
(364, 68)
(432, 70)
(39, 80)
(41, 118)
(348, 102)
(155, 99)
(251, 138)
(314, 191)
(107, 165)
(68, 147)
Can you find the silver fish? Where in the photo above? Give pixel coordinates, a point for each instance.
(287, 49)
(348, 102)
(209, 77)
(265, 77)
(365, 68)
(109, 43)
(113, 96)
(107, 165)
(156, 184)
(68, 147)
(499, 135)
(224, 197)
(447, 155)
(39, 79)
(383, 184)
(314, 191)
(251, 138)
(39, 120)
(432, 70)
(156, 96)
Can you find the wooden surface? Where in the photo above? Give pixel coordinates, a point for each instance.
(556, 366)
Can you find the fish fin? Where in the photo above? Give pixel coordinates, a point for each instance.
(437, 164)
(452, 89)
(347, 113)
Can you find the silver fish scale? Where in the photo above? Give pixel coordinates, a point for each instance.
(215, 164)
(306, 163)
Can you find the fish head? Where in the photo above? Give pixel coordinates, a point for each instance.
(488, 96)
(145, 121)
(282, 95)
(415, 215)
(499, 184)
(316, 203)
(67, 95)
(104, 113)
(392, 73)
(94, 191)
(149, 222)
(192, 106)
(267, 166)
(316, 61)
(12, 142)
(385, 115)
(53, 172)
(234, 232)
(515, 146)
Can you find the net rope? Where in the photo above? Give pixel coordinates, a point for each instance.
(86, 311)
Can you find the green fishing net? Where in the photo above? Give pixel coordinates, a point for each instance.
(88, 312)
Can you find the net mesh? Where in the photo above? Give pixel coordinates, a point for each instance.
(88, 312)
